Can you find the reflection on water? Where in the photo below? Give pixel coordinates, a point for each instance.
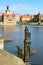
(17, 34)
(7, 28)
(8, 31)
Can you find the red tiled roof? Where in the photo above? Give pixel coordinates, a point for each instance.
(12, 15)
(24, 16)
(6, 15)
(9, 15)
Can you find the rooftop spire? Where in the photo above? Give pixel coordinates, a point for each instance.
(7, 10)
(7, 7)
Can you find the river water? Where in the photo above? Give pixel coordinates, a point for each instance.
(16, 33)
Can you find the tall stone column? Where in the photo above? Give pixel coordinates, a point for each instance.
(27, 43)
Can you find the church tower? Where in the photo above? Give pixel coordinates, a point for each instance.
(7, 10)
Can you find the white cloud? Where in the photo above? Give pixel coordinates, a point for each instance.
(2, 9)
(22, 9)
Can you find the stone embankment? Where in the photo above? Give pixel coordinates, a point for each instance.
(9, 59)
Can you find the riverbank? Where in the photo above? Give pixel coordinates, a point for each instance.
(9, 59)
(24, 25)
(33, 24)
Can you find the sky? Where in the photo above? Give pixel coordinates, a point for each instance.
(22, 6)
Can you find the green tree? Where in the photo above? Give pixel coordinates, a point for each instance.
(2, 18)
(34, 20)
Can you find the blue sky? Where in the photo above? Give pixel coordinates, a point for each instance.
(22, 6)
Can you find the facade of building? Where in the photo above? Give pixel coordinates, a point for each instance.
(39, 17)
(25, 18)
(9, 19)
(7, 10)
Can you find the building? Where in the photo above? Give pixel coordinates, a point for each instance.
(25, 18)
(9, 19)
(17, 17)
(7, 10)
(39, 17)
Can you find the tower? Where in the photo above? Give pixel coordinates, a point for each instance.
(7, 10)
